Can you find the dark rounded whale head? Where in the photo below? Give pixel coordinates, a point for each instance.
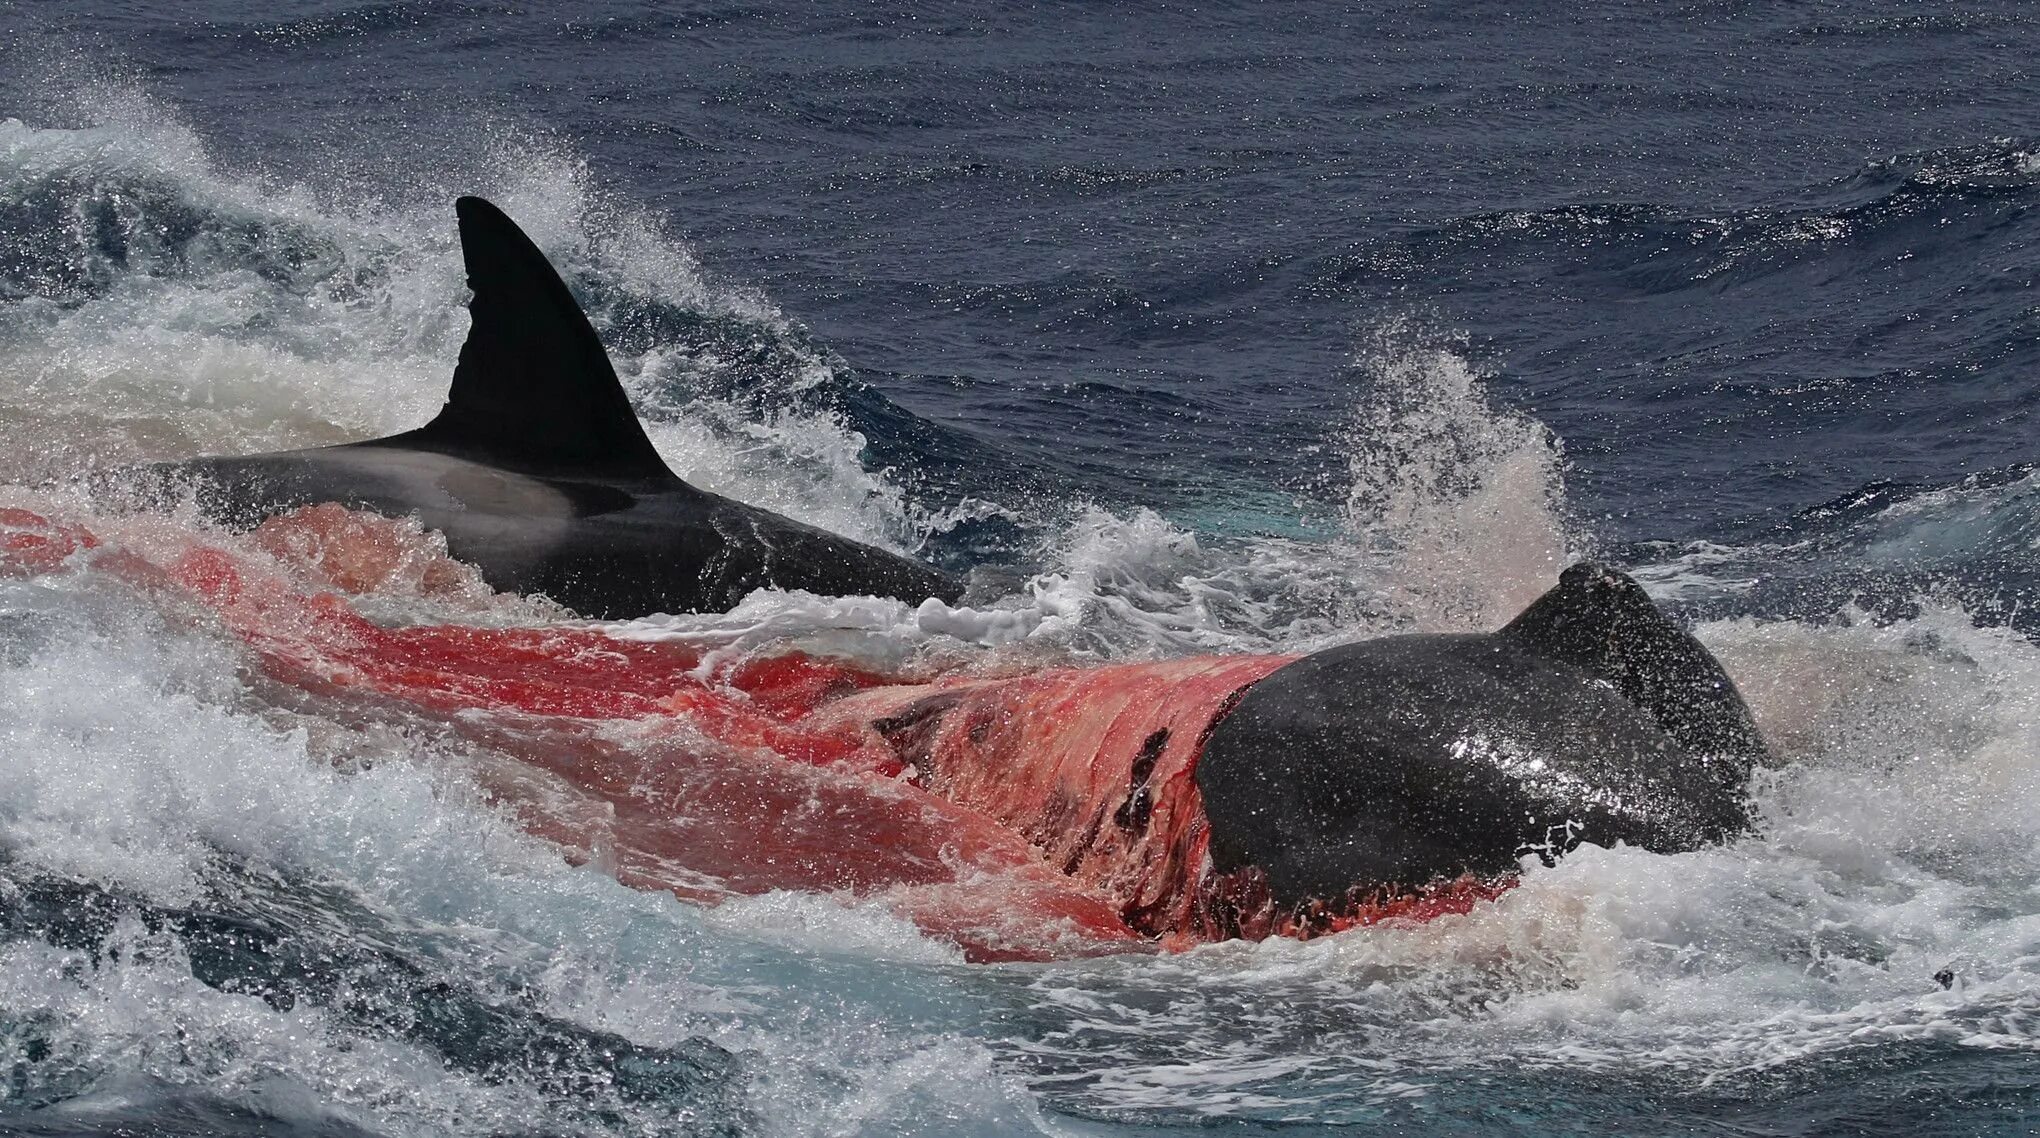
(1600, 620)
(1393, 763)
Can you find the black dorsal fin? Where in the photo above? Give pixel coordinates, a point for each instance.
(534, 390)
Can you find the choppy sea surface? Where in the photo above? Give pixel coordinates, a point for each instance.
(1180, 329)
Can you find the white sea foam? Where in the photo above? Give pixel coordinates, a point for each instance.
(141, 761)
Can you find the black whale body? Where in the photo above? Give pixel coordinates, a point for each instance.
(1399, 762)
(538, 473)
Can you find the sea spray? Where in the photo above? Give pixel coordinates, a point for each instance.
(1462, 503)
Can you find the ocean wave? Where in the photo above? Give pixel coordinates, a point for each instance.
(1886, 209)
(1889, 550)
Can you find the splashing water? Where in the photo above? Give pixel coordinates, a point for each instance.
(1443, 484)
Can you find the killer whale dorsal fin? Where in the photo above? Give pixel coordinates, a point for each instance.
(534, 389)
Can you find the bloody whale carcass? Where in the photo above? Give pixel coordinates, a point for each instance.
(1038, 813)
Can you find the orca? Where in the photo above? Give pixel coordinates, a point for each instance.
(538, 472)
(1394, 764)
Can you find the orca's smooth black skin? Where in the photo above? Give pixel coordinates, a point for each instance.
(539, 473)
(1398, 762)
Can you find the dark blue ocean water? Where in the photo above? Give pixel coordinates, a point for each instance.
(1182, 328)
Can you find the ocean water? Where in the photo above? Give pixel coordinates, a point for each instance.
(1180, 330)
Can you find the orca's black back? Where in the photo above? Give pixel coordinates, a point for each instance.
(538, 472)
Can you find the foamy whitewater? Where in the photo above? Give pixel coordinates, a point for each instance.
(232, 907)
